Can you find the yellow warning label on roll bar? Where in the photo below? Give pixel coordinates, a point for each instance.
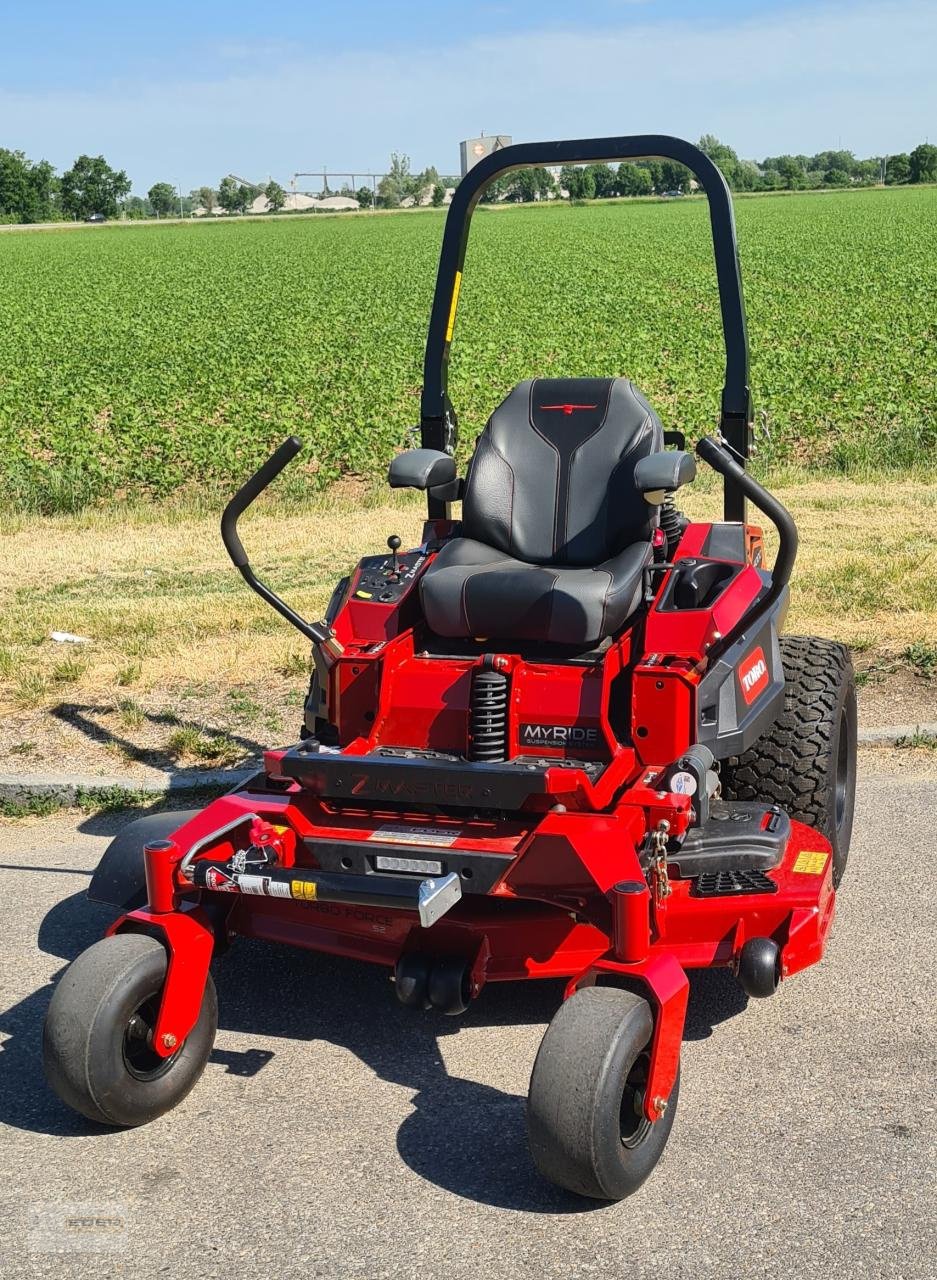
(453, 304)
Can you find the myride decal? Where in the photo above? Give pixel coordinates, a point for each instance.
(558, 735)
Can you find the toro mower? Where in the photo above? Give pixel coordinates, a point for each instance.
(560, 738)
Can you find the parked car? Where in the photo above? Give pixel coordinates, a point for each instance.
(96, 217)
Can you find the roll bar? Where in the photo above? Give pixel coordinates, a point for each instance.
(438, 419)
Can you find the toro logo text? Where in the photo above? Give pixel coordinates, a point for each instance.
(753, 675)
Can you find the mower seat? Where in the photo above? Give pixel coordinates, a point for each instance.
(555, 535)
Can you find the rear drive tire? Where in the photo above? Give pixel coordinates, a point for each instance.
(96, 1039)
(585, 1118)
(806, 762)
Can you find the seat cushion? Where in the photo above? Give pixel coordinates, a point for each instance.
(471, 589)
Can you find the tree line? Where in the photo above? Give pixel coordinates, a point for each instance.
(826, 169)
(33, 192)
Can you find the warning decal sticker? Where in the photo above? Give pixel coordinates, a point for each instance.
(303, 890)
(811, 862)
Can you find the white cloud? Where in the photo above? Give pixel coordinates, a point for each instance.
(859, 76)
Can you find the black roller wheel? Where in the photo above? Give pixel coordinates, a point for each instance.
(806, 762)
(411, 979)
(448, 988)
(97, 1039)
(585, 1109)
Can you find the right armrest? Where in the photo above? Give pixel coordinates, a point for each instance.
(421, 469)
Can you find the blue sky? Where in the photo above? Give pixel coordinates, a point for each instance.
(186, 92)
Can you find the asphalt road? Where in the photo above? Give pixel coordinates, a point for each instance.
(335, 1133)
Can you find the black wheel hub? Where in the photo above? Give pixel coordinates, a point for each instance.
(140, 1058)
(634, 1125)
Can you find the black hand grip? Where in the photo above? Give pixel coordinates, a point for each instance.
(722, 461)
(249, 492)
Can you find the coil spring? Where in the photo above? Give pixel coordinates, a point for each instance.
(488, 718)
(671, 523)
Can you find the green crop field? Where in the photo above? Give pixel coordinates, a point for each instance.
(145, 360)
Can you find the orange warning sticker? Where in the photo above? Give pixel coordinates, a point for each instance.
(811, 862)
(303, 890)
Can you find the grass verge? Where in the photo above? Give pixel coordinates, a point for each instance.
(187, 666)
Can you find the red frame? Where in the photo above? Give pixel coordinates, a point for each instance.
(551, 913)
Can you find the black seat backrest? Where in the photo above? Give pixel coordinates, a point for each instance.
(552, 477)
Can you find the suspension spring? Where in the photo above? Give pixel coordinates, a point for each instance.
(488, 719)
(672, 523)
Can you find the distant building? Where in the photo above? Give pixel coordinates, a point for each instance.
(475, 149)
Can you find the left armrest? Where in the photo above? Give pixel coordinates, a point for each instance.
(421, 469)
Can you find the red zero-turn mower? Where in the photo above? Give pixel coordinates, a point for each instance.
(561, 738)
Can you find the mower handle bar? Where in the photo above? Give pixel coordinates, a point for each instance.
(249, 491)
(721, 460)
(438, 419)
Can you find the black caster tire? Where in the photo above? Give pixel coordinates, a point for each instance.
(411, 980)
(448, 988)
(759, 970)
(806, 762)
(585, 1124)
(94, 1042)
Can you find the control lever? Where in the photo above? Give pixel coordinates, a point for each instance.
(393, 543)
(320, 633)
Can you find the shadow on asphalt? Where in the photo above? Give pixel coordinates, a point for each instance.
(465, 1137)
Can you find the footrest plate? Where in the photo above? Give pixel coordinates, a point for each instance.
(732, 884)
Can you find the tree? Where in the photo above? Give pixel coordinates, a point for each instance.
(604, 180)
(388, 193)
(207, 197)
(276, 196)
(365, 197)
(897, 169)
(836, 178)
(439, 195)
(791, 171)
(633, 180)
(398, 182)
(825, 161)
(135, 207)
(719, 152)
(579, 182)
(233, 196)
(162, 197)
(527, 185)
(922, 163)
(27, 190)
(674, 176)
(92, 186)
(726, 159)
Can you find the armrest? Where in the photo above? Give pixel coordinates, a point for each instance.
(421, 469)
(661, 473)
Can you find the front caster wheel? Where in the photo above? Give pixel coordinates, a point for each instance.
(96, 1042)
(585, 1116)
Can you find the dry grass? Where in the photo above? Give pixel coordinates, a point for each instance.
(163, 607)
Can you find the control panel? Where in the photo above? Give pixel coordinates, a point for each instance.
(387, 579)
